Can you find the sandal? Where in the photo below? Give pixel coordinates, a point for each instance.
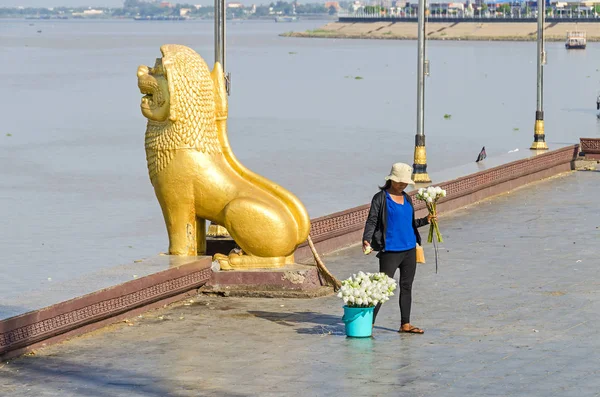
(412, 330)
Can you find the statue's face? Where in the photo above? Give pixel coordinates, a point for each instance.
(153, 84)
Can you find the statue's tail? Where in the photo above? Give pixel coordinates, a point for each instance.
(290, 200)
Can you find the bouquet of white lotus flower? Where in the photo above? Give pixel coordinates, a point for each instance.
(367, 289)
(430, 196)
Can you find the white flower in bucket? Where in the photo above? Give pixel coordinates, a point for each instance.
(361, 293)
(367, 289)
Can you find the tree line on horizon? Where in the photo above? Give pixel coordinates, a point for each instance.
(136, 8)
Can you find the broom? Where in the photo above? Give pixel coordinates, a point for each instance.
(330, 278)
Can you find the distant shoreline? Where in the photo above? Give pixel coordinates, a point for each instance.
(316, 17)
(464, 31)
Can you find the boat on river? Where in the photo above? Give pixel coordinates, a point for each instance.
(285, 18)
(576, 40)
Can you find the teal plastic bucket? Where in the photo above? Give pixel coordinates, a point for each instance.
(358, 321)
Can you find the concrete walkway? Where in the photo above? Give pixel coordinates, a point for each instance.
(513, 311)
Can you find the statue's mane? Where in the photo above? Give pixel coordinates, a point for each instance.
(191, 123)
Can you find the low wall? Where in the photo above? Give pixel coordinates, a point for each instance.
(342, 229)
(590, 148)
(89, 312)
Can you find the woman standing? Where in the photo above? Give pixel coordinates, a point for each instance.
(391, 229)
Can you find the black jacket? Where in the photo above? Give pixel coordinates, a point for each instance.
(376, 224)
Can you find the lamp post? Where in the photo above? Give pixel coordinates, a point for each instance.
(539, 138)
(420, 160)
(215, 230)
(220, 42)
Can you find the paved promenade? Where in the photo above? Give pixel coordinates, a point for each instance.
(513, 311)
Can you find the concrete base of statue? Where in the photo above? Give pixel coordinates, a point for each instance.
(291, 281)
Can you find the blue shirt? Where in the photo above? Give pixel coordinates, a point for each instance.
(399, 234)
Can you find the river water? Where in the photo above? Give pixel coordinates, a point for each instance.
(74, 191)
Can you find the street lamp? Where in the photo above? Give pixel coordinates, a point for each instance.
(220, 42)
(420, 159)
(216, 230)
(539, 138)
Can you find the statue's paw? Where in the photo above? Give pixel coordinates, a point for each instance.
(238, 260)
(223, 260)
(243, 261)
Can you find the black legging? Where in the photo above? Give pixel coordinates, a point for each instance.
(407, 262)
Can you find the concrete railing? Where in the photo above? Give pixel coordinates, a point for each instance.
(590, 148)
(85, 313)
(342, 229)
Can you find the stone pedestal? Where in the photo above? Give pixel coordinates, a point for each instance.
(292, 281)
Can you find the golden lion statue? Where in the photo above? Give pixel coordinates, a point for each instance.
(195, 175)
